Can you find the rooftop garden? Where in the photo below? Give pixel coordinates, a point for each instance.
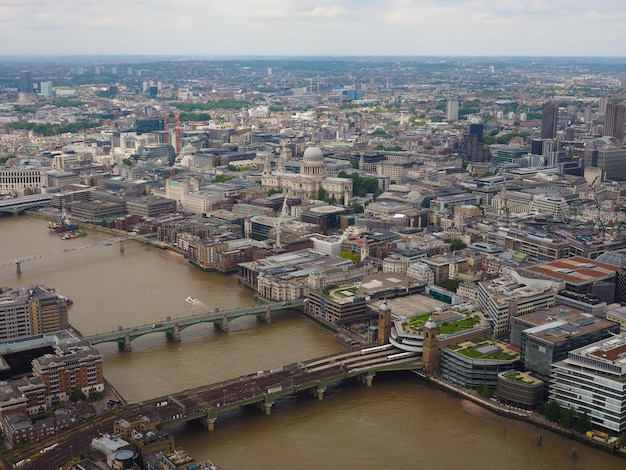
(486, 349)
(453, 323)
(520, 377)
(460, 325)
(343, 291)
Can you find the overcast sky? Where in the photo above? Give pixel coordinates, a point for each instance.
(314, 27)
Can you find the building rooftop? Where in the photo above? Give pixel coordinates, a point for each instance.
(37, 341)
(406, 307)
(375, 283)
(558, 323)
(486, 350)
(508, 288)
(520, 377)
(576, 271)
(611, 352)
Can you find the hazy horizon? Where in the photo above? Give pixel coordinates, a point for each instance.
(307, 28)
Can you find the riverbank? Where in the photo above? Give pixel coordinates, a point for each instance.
(530, 417)
(149, 351)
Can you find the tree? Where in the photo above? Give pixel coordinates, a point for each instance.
(583, 423)
(484, 390)
(321, 194)
(622, 439)
(567, 417)
(358, 208)
(127, 162)
(449, 284)
(552, 411)
(349, 255)
(362, 186)
(457, 244)
(222, 178)
(76, 394)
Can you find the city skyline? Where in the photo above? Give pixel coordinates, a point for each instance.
(303, 28)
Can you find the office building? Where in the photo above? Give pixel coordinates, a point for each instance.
(607, 154)
(46, 88)
(26, 81)
(547, 336)
(549, 116)
(477, 363)
(453, 110)
(519, 389)
(471, 148)
(21, 180)
(592, 380)
(614, 120)
(510, 296)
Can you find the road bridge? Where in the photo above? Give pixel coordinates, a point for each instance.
(17, 205)
(172, 327)
(265, 387)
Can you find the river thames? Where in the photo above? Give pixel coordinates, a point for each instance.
(398, 423)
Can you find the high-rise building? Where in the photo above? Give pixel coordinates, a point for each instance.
(26, 81)
(607, 154)
(602, 102)
(471, 148)
(549, 114)
(46, 88)
(453, 110)
(614, 120)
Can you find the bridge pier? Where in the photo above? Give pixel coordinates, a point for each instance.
(125, 346)
(210, 423)
(18, 267)
(369, 378)
(223, 324)
(121, 246)
(267, 318)
(174, 335)
(321, 388)
(266, 406)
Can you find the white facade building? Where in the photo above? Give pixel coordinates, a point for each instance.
(593, 380)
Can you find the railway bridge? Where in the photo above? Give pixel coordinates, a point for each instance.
(263, 388)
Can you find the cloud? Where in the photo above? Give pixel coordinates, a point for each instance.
(322, 27)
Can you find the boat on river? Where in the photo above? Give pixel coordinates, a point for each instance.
(64, 224)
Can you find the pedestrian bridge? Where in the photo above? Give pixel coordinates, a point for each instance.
(172, 327)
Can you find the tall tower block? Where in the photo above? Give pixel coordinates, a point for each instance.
(549, 115)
